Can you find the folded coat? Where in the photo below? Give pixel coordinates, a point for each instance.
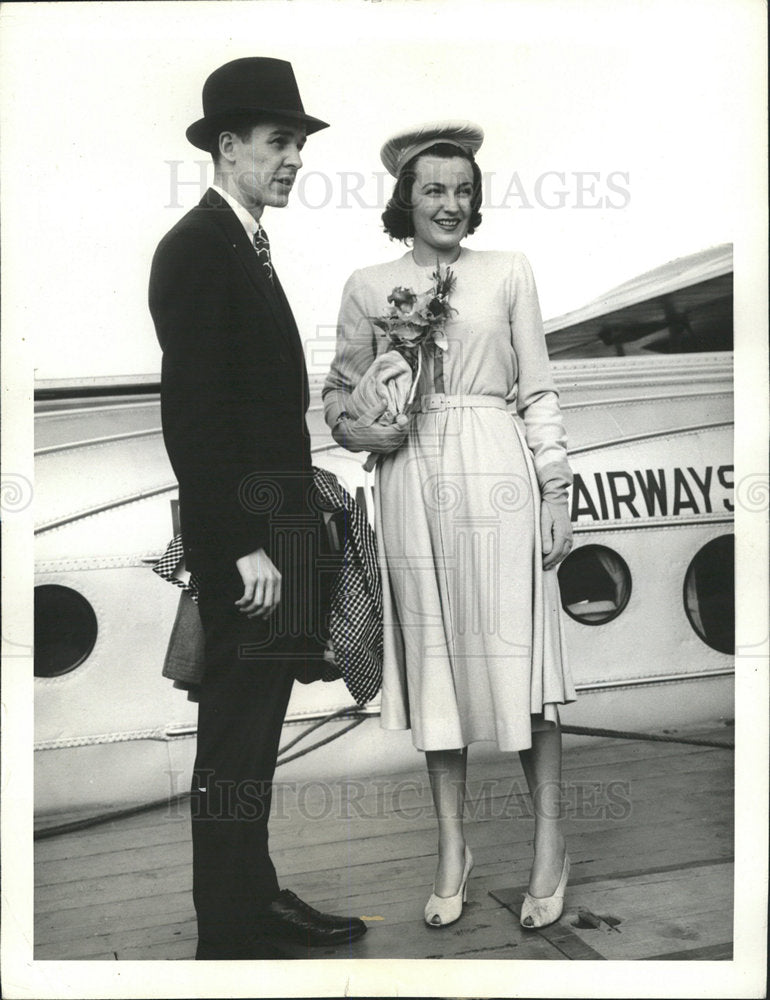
(355, 620)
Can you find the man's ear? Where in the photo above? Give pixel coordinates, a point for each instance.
(227, 146)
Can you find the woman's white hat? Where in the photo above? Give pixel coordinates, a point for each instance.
(408, 142)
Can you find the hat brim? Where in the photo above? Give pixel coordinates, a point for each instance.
(402, 147)
(201, 133)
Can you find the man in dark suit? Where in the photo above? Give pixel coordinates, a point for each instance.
(234, 394)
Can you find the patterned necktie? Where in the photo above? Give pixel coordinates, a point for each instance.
(262, 246)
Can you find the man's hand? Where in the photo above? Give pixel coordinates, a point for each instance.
(261, 585)
(380, 438)
(556, 531)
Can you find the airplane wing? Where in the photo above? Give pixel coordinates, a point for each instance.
(683, 306)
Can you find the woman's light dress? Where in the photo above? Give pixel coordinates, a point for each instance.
(474, 644)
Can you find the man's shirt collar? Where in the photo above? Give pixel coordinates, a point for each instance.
(247, 220)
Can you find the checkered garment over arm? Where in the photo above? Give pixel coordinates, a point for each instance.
(167, 566)
(356, 599)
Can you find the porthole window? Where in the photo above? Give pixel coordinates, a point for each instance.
(65, 630)
(595, 584)
(709, 593)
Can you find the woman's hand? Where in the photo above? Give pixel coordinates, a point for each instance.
(357, 435)
(556, 530)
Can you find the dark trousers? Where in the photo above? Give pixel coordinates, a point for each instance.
(243, 701)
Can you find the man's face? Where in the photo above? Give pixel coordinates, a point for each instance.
(266, 163)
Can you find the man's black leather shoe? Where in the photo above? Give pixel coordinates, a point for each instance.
(288, 918)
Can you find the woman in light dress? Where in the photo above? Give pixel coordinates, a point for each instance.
(471, 505)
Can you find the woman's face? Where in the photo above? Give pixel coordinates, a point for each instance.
(441, 206)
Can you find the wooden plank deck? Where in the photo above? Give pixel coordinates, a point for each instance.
(649, 827)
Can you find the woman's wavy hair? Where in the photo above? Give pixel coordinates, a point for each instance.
(397, 217)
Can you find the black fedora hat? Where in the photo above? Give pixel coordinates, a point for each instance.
(254, 86)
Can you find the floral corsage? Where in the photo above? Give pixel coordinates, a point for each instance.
(411, 324)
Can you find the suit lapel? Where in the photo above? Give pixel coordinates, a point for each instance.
(244, 251)
(291, 330)
(273, 294)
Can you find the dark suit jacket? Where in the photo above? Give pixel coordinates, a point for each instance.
(234, 389)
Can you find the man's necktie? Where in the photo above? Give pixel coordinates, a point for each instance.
(262, 246)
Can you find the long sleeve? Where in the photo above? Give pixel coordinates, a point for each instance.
(538, 399)
(356, 350)
(208, 399)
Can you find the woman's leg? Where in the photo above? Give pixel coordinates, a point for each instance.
(446, 770)
(542, 768)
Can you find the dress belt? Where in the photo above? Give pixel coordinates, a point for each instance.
(433, 402)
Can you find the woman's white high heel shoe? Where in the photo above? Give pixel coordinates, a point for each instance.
(540, 911)
(443, 910)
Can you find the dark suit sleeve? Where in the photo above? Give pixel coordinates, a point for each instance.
(208, 396)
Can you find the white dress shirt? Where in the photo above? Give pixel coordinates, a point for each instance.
(247, 220)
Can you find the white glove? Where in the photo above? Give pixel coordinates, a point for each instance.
(362, 435)
(382, 391)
